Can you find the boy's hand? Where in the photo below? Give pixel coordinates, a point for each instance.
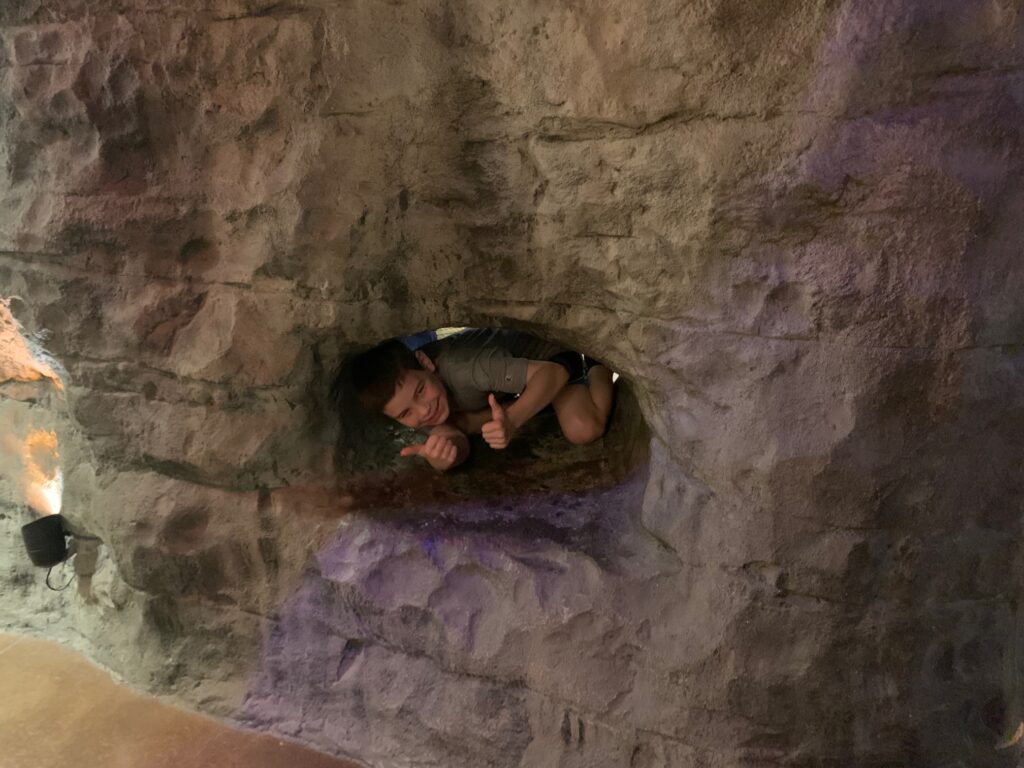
(499, 430)
(439, 451)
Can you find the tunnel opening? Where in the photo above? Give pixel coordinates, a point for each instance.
(541, 485)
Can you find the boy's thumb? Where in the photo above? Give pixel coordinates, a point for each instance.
(496, 410)
(411, 450)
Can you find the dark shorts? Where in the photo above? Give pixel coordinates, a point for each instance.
(573, 363)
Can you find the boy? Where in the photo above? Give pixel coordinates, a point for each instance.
(448, 388)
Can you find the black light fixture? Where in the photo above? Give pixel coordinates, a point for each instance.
(46, 541)
(50, 541)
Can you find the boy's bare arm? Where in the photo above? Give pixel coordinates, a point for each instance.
(544, 380)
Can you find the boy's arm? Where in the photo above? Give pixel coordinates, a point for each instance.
(544, 380)
(446, 447)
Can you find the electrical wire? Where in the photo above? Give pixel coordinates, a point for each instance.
(66, 585)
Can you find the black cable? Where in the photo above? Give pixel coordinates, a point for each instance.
(59, 589)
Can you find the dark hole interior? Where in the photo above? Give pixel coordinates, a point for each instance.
(538, 485)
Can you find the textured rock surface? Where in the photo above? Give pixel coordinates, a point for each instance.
(795, 229)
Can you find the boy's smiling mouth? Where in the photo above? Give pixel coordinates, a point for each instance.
(437, 411)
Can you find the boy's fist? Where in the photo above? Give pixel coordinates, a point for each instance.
(439, 451)
(498, 431)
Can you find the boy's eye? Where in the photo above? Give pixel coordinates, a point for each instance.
(419, 389)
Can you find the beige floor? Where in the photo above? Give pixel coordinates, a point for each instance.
(56, 709)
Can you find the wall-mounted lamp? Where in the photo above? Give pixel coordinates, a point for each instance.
(46, 541)
(50, 541)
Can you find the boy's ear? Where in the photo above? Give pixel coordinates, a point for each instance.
(425, 361)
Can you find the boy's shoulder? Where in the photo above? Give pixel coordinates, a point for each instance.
(481, 361)
(468, 339)
(457, 361)
(476, 341)
(454, 353)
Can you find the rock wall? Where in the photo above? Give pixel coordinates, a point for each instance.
(793, 227)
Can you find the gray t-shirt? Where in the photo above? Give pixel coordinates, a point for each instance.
(476, 362)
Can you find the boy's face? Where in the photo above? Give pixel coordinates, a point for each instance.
(420, 398)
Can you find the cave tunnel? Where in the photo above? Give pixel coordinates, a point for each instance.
(539, 464)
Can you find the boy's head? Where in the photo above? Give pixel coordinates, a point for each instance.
(401, 384)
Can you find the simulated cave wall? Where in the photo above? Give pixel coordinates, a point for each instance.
(794, 228)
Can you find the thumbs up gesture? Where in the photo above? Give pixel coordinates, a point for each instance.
(439, 451)
(498, 431)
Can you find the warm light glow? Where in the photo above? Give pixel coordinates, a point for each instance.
(1012, 739)
(28, 456)
(42, 479)
(446, 332)
(21, 359)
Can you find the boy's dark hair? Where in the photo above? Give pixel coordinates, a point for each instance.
(376, 373)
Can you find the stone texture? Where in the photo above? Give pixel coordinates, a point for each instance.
(793, 227)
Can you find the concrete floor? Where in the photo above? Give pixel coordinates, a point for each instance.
(56, 709)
